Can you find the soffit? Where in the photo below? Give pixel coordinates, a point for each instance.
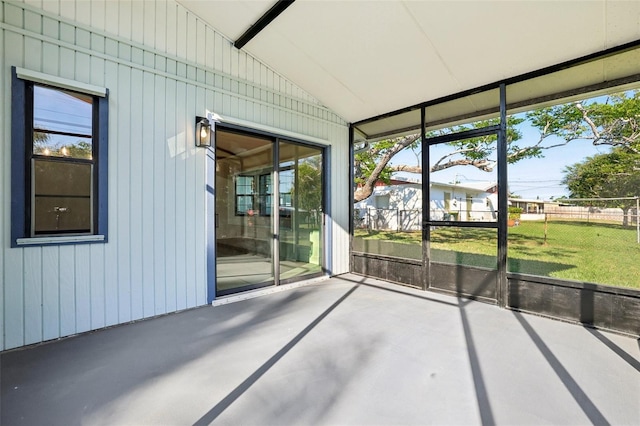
(364, 58)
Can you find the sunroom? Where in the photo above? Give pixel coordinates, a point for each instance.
(161, 156)
(505, 95)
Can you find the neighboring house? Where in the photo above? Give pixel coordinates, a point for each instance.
(398, 205)
(531, 209)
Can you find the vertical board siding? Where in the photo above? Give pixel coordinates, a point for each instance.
(4, 177)
(50, 293)
(148, 54)
(67, 290)
(190, 200)
(33, 295)
(82, 285)
(122, 170)
(97, 286)
(170, 198)
(136, 237)
(147, 138)
(159, 198)
(179, 224)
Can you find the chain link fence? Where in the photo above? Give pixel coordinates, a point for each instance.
(605, 211)
(374, 219)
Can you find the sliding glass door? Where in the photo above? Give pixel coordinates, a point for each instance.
(244, 214)
(269, 214)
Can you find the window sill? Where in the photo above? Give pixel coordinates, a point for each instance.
(43, 241)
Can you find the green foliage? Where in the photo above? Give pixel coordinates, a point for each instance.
(463, 151)
(484, 147)
(612, 175)
(367, 161)
(514, 212)
(614, 121)
(310, 185)
(80, 149)
(44, 144)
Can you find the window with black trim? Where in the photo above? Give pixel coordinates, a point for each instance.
(244, 194)
(266, 191)
(59, 181)
(254, 194)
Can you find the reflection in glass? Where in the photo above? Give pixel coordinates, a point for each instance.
(62, 123)
(61, 111)
(301, 209)
(54, 145)
(249, 205)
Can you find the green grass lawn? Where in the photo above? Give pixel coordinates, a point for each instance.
(596, 253)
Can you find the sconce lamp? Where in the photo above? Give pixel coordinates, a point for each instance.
(204, 132)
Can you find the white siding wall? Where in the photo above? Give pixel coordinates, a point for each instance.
(163, 66)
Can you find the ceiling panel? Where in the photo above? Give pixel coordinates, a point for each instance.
(365, 58)
(229, 17)
(350, 58)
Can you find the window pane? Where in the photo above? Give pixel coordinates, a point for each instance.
(573, 207)
(62, 111)
(244, 204)
(264, 199)
(467, 191)
(62, 197)
(244, 185)
(300, 214)
(388, 206)
(62, 215)
(55, 145)
(244, 194)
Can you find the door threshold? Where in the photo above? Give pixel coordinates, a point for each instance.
(224, 300)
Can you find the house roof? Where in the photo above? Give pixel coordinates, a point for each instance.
(375, 62)
(474, 186)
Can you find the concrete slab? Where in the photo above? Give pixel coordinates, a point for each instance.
(347, 350)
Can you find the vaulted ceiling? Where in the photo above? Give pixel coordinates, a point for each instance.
(365, 58)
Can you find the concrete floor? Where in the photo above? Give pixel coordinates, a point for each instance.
(348, 351)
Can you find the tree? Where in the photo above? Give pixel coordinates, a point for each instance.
(44, 144)
(613, 121)
(373, 165)
(612, 175)
(309, 187)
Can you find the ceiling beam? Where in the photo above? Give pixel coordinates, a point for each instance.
(262, 23)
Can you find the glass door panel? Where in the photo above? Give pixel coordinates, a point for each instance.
(463, 213)
(300, 197)
(244, 225)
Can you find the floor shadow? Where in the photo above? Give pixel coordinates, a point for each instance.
(249, 381)
(109, 364)
(587, 406)
(398, 291)
(615, 348)
(482, 397)
(484, 406)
